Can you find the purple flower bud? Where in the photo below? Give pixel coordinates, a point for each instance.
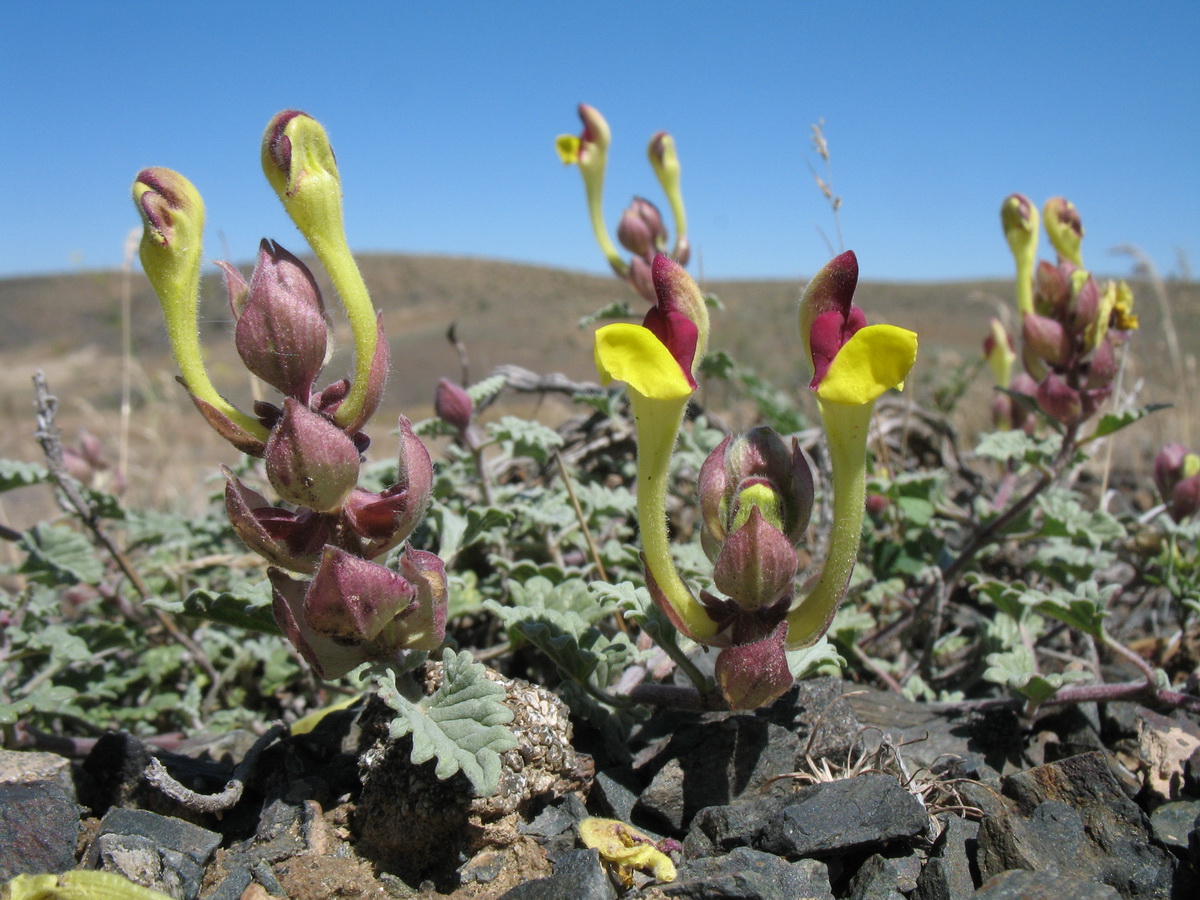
(283, 538)
(1085, 306)
(389, 517)
(1177, 476)
(351, 600)
(310, 461)
(344, 616)
(641, 278)
(1046, 338)
(1060, 401)
(758, 457)
(757, 564)
(281, 332)
(1053, 289)
(424, 622)
(641, 230)
(752, 675)
(453, 405)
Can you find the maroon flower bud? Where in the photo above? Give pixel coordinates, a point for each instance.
(342, 617)
(641, 278)
(757, 564)
(759, 458)
(283, 538)
(1046, 338)
(281, 332)
(310, 461)
(1085, 306)
(1060, 401)
(1053, 285)
(1177, 476)
(424, 622)
(641, 230)
(752, 675)
(453, 405)
(389, 517)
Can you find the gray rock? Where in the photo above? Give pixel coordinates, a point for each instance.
(615, 792)
(39, 827)
(1019, 884)
(165, 854)
(1071, 818)
(854, 814)
(1173, 822)
(748, 874)
(23, 766)
(822, 717)
(946, 874)
(876, 879)
(578, 875)
(713, 764)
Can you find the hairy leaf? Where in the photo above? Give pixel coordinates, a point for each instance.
(461, 725)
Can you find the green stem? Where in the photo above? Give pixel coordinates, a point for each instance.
(334, 254)
(658, 423)
(594, 185)
(1025, 262)
(846, 432)
(180, 303)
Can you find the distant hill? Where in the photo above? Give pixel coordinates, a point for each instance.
(506, 313)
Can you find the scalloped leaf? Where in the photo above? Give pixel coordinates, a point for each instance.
(58, 555)
(17, 474)
(1110, 423)
(247, 605)
(528, 438)
(461, 724)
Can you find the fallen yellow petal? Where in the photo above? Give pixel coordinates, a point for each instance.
(626, 847)
(633, 354)
(875, 359)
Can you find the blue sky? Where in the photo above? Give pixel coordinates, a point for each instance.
(443, 116)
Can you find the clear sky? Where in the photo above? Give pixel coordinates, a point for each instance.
(443, 116)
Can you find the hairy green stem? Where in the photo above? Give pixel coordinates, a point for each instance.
(846, 431)
(658, 424)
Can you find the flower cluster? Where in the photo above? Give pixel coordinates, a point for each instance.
(756, 491)
(1071, 328)
(350, 609)
(641, 230)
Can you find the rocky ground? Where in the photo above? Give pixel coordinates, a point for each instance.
(831, 792)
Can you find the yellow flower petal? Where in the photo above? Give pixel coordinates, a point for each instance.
(875, 359)
(633, 354)
(567, 146)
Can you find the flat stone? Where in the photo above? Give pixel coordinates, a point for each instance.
(876, 879)
(578, 875)
(714, 764)
(748, 874)
(615, 793)
(855, 814)
(1071, 818)
(946, 874)
(1019, 884)
(22, 766)
(39, 828)
(817, 710)
(158, 852)
(1173, 822)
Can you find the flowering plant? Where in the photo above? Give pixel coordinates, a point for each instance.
(756, 493)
